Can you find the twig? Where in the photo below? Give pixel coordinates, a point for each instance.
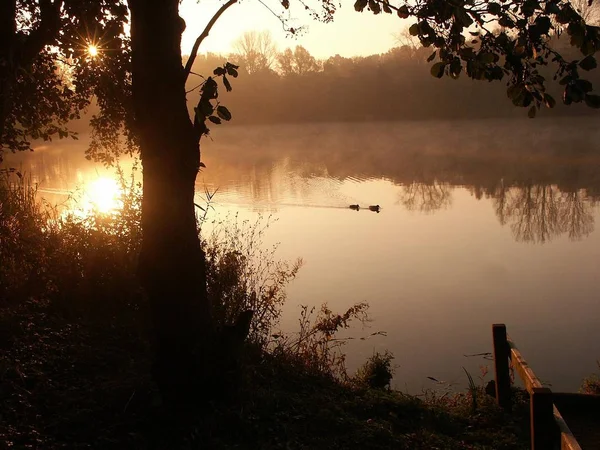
(190, 61)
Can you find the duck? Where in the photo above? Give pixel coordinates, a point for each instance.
(375, 208)
(354, 207)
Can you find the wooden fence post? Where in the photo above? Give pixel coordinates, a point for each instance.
(542, 419)
(501, 371)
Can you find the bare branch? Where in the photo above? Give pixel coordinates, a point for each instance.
(190, 61)
(274, 13)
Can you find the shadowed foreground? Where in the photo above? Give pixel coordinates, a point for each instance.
(74, 386)
(75, 360)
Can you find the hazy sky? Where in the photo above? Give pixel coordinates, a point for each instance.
(350, 33)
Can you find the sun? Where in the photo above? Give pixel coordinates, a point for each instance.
(92, 50)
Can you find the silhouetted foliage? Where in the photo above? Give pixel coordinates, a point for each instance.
(389, 86)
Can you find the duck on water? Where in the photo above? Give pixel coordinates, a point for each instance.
(374, 208)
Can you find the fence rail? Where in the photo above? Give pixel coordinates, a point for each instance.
(549, 430)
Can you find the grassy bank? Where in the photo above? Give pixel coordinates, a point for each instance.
(75, 359)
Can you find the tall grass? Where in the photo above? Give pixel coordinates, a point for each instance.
(243, 274)
(84, 266)
(24, 238)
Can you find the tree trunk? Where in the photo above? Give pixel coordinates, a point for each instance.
(172, 264)
(7, 33)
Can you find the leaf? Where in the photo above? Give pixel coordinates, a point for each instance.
(226, 83)
(531, 112)
(437, 70)
(374, 6)
(431, 57)
(543, 24)
(549, 101)
(285, 3)
(455, 68)
(386, 8)
(584, 85)
(232, 71)
(577, 33)
(219, 71)
(566, 97)
(214, 120)
(565, 80)
(414, 29)
(494, 8)
(466, 53)
(223, 113)
(593, 101)
(588, 47)
(360, 5)
(462, 17)
(403, 12)
(487, 58)
(552, 8)
(588, 63)
(519, 95)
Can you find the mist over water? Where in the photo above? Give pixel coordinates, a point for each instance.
(481, 222)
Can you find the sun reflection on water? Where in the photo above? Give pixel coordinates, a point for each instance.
(102, 195)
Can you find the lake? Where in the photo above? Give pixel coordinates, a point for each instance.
(481, 222)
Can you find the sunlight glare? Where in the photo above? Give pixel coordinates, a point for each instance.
(103, 195)
(92, 50)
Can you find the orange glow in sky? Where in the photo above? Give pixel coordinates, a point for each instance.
(350, 33)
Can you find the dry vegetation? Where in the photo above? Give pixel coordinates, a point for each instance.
(75, 358)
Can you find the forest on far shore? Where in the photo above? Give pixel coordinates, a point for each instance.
(292, 86)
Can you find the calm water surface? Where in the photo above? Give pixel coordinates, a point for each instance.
(480, 222)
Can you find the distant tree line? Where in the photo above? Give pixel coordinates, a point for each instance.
(293, 86)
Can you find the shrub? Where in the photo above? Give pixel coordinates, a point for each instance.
(242, 274)
(315, 346)
(591, 384)
(377, 372)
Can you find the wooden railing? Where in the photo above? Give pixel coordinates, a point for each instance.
(548, 427)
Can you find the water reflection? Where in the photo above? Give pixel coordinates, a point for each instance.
(538, 213)
(426, 198)
(441, 277)
(540, 178)
(101, 195)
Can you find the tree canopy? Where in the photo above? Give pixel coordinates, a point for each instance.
(45, 53)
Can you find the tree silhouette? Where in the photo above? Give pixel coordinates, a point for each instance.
(139, 82)
(255, 51)
(299, 62)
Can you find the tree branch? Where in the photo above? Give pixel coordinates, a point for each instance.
(190, 61)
